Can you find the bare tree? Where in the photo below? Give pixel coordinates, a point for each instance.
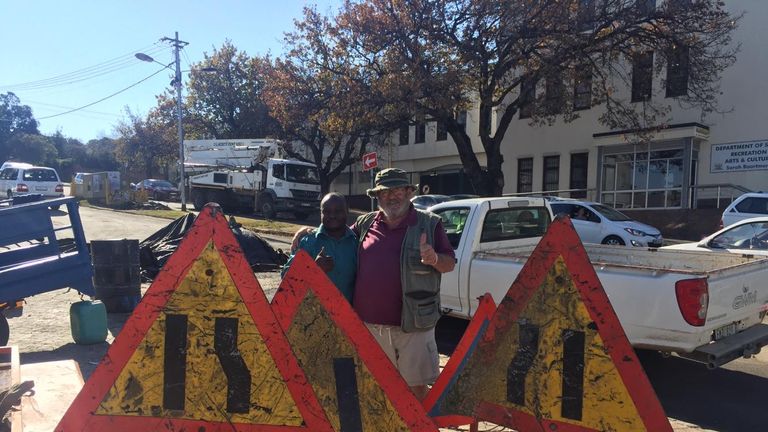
(433, 58)
(321, 103)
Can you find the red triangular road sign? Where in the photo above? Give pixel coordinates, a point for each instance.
(464, 349)
(356, 383)
(202, 351)
(554, 355)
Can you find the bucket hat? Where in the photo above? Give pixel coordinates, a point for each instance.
(389, 178)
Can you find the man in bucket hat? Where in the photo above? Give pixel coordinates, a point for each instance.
(402, 252)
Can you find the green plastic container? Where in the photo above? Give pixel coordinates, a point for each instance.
(88, 322)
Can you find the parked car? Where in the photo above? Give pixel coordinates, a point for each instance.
(749, 205)
(28, 179)
(421, 202)
(598, 223)
(159, 189)
(748, 236)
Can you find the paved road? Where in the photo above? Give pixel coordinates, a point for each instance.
(732, 398)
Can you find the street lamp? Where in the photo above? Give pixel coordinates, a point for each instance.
(177, 84)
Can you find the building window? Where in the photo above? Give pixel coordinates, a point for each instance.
(582, 88)
(551, 173)
(461, 118)
(585, 17)
(441, 133)
(554, 93)
(677, 71)
(421, 132)
(527, 97)
(646, 8)
(642, 77)
(578, 180)
(404, 132)
(525, 175)
(644, 178)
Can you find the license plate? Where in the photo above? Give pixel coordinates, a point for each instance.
(41, 188)
(725, 331)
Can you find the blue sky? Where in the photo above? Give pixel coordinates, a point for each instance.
(97, 39)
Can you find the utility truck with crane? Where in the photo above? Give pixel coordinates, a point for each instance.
(247, 174)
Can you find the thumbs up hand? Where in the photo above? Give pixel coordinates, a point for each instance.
(324, 262)
(428, 254)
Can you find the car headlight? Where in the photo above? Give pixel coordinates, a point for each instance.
(635, 232)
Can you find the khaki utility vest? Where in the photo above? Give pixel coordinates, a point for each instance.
(420, 282)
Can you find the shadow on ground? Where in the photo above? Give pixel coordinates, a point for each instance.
(86, 356)
(720, 399)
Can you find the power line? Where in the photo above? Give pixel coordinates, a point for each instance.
(109, 66)
(45, 104)
(104, 98)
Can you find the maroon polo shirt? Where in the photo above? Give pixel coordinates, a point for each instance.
(378, 295)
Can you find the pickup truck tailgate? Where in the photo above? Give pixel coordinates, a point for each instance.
(738, 297)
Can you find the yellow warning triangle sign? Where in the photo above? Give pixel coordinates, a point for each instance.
(553, 356)
(202, 351)
(356, 384)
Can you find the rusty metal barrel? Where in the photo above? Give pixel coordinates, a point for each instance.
(116, 273)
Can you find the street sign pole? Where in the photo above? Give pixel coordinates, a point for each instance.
(373, 175)
(370, 163)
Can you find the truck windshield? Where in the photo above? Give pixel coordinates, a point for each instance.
(301, 174)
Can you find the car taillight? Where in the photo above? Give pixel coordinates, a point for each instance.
(720, 225)
(693, 300)
(60, 188)
(21, 187)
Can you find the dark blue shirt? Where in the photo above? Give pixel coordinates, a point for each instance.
(344, 254)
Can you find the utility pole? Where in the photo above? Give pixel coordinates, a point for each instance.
(178, 44)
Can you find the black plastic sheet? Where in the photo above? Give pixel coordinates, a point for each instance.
(155, 249)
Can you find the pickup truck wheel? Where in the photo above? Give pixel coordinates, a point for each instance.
(5, 331)
(613, 240)
(267, 208)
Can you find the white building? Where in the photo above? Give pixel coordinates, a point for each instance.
(690, 161)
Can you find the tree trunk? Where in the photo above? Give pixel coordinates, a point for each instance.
(325, 183)
(488, 182)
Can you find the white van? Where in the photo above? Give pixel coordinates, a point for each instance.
(15, 165)
(17, 179)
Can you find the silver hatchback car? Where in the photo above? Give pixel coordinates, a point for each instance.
(598, 223)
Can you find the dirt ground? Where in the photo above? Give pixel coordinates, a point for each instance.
(43, 331)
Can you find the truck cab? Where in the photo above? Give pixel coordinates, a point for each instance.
(482, 223)
(290, 186)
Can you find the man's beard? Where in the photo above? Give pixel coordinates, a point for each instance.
(395, 211)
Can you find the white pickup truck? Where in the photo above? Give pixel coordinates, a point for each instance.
(703, 306)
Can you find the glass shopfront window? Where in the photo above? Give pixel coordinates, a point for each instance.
(643, 178)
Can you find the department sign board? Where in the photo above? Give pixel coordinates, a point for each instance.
(739, 156)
